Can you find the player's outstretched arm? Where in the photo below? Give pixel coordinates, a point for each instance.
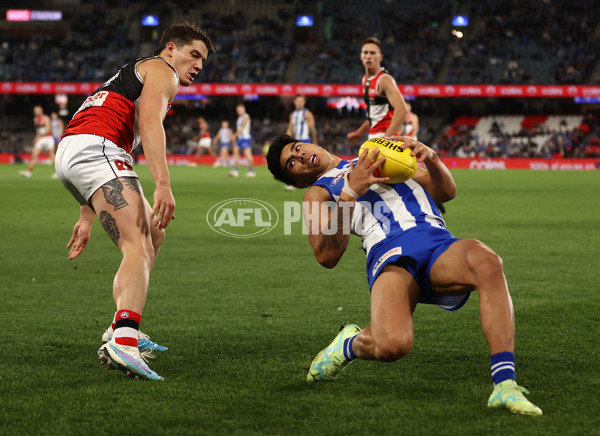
(160, 86)
(358, 133)
(389, 88)
(81, 232)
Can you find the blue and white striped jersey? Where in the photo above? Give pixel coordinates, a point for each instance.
(225, 135)
(385, 211)
(245, 132)
(300, 129)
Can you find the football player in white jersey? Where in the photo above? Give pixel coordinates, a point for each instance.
(301, 125)
(411, 257)
(43, 140)
(242, 140)
(302, 122)
(223, 137)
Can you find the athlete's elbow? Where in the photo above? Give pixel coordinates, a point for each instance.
(327, 259)
(450, 193)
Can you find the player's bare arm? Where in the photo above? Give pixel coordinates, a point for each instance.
(290, 127)
(415, 123)
(388, 87)
(310, 122)
(436, 178)
(160, 86)
(358, 133)
(329, 246)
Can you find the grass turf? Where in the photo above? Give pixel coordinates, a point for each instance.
(243, 318)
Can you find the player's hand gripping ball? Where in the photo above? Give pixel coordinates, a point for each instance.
(399, 165)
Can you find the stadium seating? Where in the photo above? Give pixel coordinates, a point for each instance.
(518, 136)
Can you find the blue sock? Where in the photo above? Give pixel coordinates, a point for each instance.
(503, 366)
(348, 352)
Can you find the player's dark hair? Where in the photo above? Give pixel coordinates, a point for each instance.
(274, 159)
(372, 40)
(183, 34)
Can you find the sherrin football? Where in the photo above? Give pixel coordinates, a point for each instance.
(399, 165)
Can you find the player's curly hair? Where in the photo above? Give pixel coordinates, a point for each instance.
(274, 159)
(182, 34)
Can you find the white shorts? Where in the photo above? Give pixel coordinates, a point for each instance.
(45, 143)
(84, 163)
(204, 142)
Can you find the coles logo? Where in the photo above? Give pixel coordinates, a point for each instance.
(242, 217)
(409, 90)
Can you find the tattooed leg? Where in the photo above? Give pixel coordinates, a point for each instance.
(110, 226)
(123, 214)
(133, 184)
(113, 194)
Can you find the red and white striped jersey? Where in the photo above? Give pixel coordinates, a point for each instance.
(379, 110)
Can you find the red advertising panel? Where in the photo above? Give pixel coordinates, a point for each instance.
(278, 89)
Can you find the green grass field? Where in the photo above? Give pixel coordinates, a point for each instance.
(243, 318)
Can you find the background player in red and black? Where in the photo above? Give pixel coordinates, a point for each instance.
(95, 165)
(386, 108)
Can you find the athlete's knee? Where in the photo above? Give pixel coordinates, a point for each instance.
(158, 237)
(486, 263)
(393, 348)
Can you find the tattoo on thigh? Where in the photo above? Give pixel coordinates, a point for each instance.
(133, 184)
(110, 226)
(113, 194)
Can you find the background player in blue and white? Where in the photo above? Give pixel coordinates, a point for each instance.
(411, 257)
(242, 141)
(223, 137)
(301, 125)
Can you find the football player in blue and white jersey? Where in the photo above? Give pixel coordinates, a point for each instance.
(242, 141)
(411, 257)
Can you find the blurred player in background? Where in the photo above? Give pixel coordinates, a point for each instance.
(43, 140)
(302, 122)
(223, 137)
(204, 141)
(411, 123)
(57, 126)
(242, 141)
(386, 108)
(301, 126)
(94, 163)
(411, 257)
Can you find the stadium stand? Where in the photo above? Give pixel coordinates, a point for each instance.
(507, 42)
(521, 136)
